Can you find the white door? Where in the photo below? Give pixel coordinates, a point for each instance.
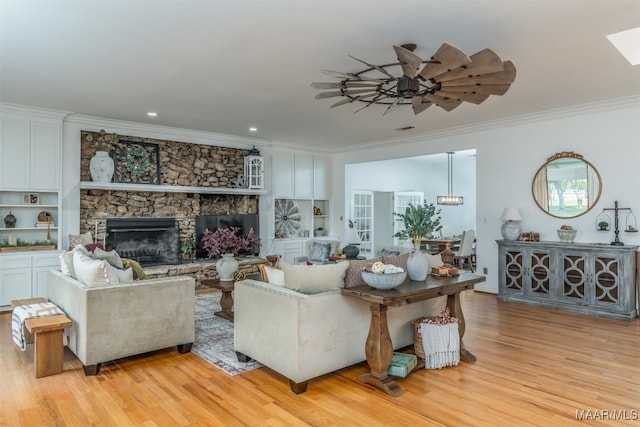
(362, 216)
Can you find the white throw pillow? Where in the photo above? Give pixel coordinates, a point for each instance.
(80, 239)
(111, 257)
(275, 276)
(124, 276)
(93, 272)
(314, 279)
(66, 264)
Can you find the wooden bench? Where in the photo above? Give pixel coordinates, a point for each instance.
(48, 333)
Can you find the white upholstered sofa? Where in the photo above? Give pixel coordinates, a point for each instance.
(305, 336)
(120, 320)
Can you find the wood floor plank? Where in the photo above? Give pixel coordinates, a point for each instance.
(535, 367)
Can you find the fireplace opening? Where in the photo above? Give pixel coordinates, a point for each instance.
(149, 241)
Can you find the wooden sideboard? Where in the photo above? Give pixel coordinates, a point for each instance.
(591, 279)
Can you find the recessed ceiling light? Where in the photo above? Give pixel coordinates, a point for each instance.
(152, 114)
(628, 43)
(253, 129)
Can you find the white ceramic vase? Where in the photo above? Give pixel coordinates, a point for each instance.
(226, 266)
(101, 167)
(417, 265)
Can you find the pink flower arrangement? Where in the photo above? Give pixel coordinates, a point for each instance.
(227, 240)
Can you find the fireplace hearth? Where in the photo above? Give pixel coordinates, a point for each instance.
(149, 241)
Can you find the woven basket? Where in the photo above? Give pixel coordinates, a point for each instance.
(417, 337)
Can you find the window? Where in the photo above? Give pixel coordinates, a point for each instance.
(401, 200)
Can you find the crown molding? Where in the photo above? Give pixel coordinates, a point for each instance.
(26, 112)
(611, 105)
(144, 130)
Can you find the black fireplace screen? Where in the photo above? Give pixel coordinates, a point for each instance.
(149, 241)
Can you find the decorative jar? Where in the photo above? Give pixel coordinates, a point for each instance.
(417, 265)
(225, 267)
(101, 167)
(567, 236)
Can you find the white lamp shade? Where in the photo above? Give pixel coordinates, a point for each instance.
(511, 214)
(351, 236)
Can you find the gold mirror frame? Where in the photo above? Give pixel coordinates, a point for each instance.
(569, 171)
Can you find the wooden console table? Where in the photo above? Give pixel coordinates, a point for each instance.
(379, 348)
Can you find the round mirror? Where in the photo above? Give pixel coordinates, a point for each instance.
(566, 186)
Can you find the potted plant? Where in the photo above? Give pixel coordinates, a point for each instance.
(186, 249)
(603, 225)
(225, 243)
(419, 221)
(319, 231)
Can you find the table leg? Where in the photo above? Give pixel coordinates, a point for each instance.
(455, 308)
(379, 352)
(226, 303)
(48, 352)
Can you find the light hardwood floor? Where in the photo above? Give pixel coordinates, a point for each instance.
(535, 367)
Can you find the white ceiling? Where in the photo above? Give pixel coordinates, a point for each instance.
(223, 66)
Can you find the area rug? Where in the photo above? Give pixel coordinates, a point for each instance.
(214, 337)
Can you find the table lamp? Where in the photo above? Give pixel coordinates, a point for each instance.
(511, 227)
(352, 239)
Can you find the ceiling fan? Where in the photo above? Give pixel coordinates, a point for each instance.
(447, 80)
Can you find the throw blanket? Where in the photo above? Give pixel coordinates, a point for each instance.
(441, 344)
(137, 268)
(23, 312)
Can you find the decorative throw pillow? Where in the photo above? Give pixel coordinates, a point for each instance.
(93, 272)
(320, 251)
(125, 275)
(80, 239)
(397, 260)
(314, 279)
(91, 247)
(66, 264)
(111, 257)
(354, 272)
(273, 275)
(387, 252)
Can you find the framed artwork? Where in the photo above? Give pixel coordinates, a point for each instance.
(30, 198)
(137, 162)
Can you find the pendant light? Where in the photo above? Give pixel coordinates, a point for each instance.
(449, 199)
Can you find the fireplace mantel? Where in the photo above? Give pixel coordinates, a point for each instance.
(115, 186)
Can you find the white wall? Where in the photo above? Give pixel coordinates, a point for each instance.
(508, 155)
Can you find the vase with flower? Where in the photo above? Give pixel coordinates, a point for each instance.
(226, 243)
(420, 221)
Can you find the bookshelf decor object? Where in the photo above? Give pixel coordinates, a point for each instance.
(630, 225)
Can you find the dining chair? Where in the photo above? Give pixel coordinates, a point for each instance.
(445, 232)
(463, 257)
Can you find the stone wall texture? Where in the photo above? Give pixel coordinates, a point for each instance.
(181, 164)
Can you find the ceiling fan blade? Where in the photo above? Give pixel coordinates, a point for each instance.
(446, 104)
(376, 67)
(449, 58)
(341, 75)
(348, 100)
(338, 85)
(409, 61)
(499, 89)
(507, 75)
(483, 62)
(344, 92)
(391, 107)
(419, 104)
(472, 97)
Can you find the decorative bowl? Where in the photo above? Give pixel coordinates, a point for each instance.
(567, 236)
(384, 281)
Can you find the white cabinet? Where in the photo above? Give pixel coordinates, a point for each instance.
(303, 176)
(295, 176)
(288, 248)
(30, 153)
(321, 177)
(25, 275)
